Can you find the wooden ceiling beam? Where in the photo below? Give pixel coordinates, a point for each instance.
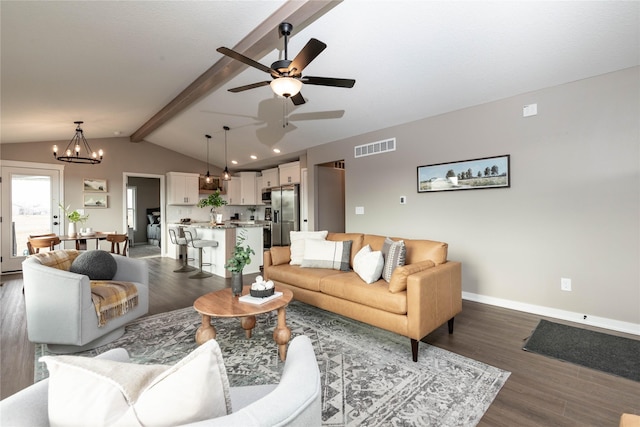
(256, 44)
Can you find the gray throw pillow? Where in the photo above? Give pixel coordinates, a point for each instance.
(98, 265)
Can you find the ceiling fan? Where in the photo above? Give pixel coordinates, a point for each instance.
(287, 75)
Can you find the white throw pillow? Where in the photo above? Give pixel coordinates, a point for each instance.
(297, 243)
(368, 264)
(327, 254)
(98, 392)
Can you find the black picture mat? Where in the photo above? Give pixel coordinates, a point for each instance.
(596, 350)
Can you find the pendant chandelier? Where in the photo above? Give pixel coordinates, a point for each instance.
(208, 176)
(73, 153)
(226, 176)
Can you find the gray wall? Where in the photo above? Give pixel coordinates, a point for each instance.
(331, 197)
(121, 156)
(573, 209)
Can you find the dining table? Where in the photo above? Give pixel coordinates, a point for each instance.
(81, 239)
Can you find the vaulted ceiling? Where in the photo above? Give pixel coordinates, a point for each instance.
(127, 68)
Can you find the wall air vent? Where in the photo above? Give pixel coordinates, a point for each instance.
(377, 147)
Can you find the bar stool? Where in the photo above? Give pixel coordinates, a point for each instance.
(181, 242)
(199, 244)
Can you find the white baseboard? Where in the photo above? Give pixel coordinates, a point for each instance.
(600, 322)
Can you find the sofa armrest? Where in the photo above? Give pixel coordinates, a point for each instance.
(434, 296)
(131, 270)
(29, 407)
(296, 400)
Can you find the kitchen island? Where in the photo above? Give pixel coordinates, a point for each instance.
(226, 235)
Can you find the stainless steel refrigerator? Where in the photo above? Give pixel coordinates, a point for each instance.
(285, 214)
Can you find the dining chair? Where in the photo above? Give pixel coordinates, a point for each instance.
(42, 241)
(115, 240)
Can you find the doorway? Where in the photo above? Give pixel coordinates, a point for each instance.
(30, 194)
(330, 200)
(144, 213)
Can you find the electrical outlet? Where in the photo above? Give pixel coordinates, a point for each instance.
(565, 284)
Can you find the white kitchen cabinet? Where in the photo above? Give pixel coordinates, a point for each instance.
(270, 178)
(254, 241)
(248, 188)
(232, 195)
(241, 189)
(182, 188)
(289, 173)
(259, 187)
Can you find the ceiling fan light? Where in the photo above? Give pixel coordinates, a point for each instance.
(286, 86)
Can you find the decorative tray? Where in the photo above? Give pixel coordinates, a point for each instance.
(262, 294)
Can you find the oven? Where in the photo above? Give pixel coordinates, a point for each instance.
(266, 235)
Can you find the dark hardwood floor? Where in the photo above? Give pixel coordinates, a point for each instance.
(540, 391)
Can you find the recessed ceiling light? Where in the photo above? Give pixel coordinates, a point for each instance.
(117, 133)
(276, 150)
(234, 162)
(253, 157)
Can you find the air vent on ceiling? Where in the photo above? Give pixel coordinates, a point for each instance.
(377, 147)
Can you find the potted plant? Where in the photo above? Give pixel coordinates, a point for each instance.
(239, 259)
(74, 217)
(214, 200)
(252, 209)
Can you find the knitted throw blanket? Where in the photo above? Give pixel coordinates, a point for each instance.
(112, 299)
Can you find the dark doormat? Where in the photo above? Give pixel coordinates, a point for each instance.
(596, 350)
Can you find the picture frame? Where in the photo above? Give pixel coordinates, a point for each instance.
(94, 200)
(474, 174)
(91, 185)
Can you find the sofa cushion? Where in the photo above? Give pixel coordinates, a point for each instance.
(306, 278)
(297, 243)
(60, 259)
(356, 238)
(327, 254)
(394, 253)
(88, 391)
(98, 265)
(421, 250)
(280, 255)
(349, 286)
(398, 281)
(368, 264)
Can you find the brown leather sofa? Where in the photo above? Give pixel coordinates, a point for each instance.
(433, 293)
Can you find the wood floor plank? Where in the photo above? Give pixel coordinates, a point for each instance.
(541, 391)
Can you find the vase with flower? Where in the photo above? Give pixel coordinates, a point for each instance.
(214, 200)
(239, 259)
(74, 218)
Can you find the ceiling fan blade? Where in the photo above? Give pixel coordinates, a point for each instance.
(240, 57)
(247, 87)
(298, 99)
(328, 81)
(308, 53)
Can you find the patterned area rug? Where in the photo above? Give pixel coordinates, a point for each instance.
(368, 377)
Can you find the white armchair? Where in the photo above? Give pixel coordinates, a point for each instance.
(295, 401)
(59, 309)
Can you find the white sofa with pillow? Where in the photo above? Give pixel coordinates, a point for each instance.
(406, 286)
(107, 390)
(58, 301)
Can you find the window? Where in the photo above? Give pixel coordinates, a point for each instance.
(131, 207)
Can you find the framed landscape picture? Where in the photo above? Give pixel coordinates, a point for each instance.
(95, 200)
(94, 185)
(487, 172)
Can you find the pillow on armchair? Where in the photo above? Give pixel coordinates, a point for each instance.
(98, 265)
(88, 391)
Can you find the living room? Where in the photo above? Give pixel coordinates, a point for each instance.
(571, 210)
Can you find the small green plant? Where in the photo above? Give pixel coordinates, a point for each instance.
(73, 215)
(241, 255)
(214, 200)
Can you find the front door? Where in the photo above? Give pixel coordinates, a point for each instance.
(30, 194)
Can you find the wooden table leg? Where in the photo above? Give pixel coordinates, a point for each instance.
(248, 324)
(282, 333)
(206, 331)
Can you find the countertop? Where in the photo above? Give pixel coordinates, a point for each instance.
(225, 225)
